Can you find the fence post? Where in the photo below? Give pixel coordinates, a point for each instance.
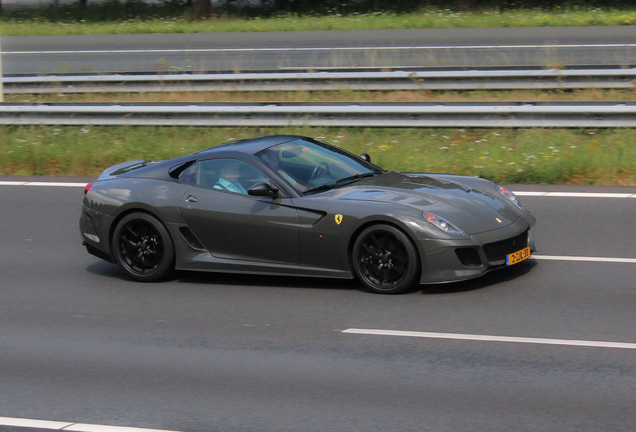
(1, 86)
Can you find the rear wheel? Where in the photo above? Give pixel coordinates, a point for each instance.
(385, 260)
(143, 248)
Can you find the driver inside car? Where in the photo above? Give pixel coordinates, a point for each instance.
(229, 178)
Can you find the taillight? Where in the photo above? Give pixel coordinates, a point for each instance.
(87, 188)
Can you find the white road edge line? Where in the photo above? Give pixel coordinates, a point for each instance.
(575, 194)
(583, 259)
(519, 193)
(299, 49)
(50, 184)
(67, 426)
(486, 338)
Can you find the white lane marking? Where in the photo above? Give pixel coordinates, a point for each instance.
(58, 184)
(67, 426)
(519, 193)
(576, 194)
(79, 427)
(487, 338)
(40, 424)
(583, 259)
(377, 48)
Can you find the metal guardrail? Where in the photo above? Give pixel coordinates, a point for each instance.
(296, 81)
(548, 114)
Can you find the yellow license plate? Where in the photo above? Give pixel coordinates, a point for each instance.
(518, 256)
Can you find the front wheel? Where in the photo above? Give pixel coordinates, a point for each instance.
(385, 260)
(143, 248)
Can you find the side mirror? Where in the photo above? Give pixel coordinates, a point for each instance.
(365, 157)
(263, 189)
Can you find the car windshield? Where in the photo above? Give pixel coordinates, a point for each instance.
(313, 166)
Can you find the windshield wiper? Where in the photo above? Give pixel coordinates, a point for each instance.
(321, 188)
(356, 177)
(342, 182)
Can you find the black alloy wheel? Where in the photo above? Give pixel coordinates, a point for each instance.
(143, 248)
(385, 260)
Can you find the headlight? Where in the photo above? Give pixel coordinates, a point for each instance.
(443, 224)
(511, 196)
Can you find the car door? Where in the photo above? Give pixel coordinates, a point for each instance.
(236, 225)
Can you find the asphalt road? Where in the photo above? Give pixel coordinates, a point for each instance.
(206, 352)
(426, 48)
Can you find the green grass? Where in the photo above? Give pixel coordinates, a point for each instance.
(547, 156)
(54, 24)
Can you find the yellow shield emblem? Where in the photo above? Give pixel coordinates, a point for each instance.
(338, 219)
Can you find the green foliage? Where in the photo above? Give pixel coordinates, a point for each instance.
(330, 7)
(133, 21)
(110, 10)
(417, 13)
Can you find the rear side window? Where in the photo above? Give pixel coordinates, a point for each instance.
(186, 173)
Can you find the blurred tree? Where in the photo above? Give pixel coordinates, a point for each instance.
(466, 4)
(201, 9)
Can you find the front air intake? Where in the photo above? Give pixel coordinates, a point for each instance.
(498, 250)
(468, 257)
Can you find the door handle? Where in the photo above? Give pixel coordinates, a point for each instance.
(192, 199)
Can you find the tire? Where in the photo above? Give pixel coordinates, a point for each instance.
(143, 248)
(385, 260)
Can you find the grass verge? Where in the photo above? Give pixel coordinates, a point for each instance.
(543, 156)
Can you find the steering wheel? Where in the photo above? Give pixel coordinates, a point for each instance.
(321, 169)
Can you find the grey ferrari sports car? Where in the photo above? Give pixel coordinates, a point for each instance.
(292, 205)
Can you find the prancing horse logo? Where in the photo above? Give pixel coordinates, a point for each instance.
(338, 219)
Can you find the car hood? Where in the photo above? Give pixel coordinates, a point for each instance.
(466, 202)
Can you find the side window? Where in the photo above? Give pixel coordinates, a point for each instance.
(232, 175)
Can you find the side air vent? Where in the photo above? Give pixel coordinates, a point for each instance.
(191, 239)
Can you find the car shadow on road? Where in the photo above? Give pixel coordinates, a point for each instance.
(104, 268)
(233, 279)
(490, 279)
(110, 270)
(493, 278)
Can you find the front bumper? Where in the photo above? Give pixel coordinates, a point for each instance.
(461, 259)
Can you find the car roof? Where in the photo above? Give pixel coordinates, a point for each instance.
(249, 145)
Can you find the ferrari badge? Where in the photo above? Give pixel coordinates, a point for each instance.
(338, 218)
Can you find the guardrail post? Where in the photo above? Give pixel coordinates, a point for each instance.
(1, 79)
